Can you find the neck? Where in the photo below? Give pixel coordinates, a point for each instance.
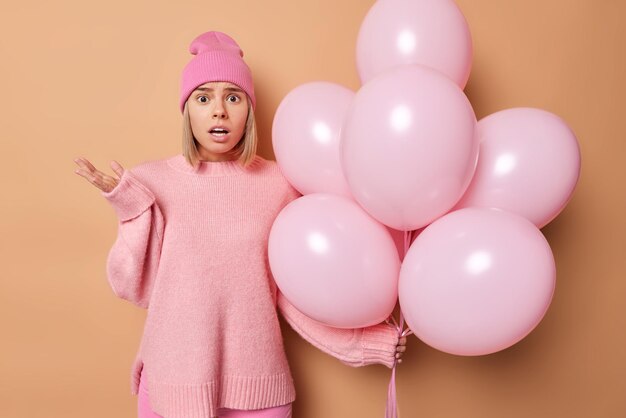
(217, 158)
(208, 156)
(209, 168)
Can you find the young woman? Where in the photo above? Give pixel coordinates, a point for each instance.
(192, 249)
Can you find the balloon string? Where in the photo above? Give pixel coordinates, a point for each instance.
(392, 403)
(391, 410)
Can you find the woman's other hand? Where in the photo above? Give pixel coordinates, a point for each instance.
(400, 348)
(96, 177)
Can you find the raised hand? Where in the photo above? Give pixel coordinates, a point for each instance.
(96, 177)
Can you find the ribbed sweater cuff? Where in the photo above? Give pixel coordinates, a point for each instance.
(231, 391)
(129, 198)
(379, 344)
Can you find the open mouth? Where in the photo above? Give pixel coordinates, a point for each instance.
(218, 132)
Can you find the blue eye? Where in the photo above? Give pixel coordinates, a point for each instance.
(202, 97)
(236, 97)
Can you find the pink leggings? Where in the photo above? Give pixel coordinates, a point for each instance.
(145, 411)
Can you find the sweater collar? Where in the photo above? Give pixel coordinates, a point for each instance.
(211, 168)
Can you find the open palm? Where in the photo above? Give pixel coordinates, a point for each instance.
(96, 177)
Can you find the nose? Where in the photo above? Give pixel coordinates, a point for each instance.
(219, 111)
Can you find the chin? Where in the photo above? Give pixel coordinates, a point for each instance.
(218, 148)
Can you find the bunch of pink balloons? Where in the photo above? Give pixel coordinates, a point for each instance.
(405, 154)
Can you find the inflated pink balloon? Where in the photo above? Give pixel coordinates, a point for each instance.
(476, 281)
(333, 262)
(529, 164)
(305, 137)
(429, 32)
(408, 146)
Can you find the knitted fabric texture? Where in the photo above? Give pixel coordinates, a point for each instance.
(191, 248)
(217, 58)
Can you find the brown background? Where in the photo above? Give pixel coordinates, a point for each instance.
(100, 80)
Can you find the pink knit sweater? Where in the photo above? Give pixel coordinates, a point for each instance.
(192, 249)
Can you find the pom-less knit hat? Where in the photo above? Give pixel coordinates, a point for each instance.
(217, 58)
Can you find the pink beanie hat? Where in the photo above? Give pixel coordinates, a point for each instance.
(217, 58)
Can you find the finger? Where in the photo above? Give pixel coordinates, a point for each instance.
(399, 360)
(82, 164)
(117, 168)
(102, 181)
(85, 174)
(85, 162)
(403, 340)
(89, 177)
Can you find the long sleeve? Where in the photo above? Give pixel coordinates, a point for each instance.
(134, 257)
(356, 347)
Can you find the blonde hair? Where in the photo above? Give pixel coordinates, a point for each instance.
(245, 148)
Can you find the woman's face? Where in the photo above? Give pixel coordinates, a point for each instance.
(214, 105)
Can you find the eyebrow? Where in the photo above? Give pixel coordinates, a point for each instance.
(226, 88)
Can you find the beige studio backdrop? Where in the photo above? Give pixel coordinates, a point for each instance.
(100, 80)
